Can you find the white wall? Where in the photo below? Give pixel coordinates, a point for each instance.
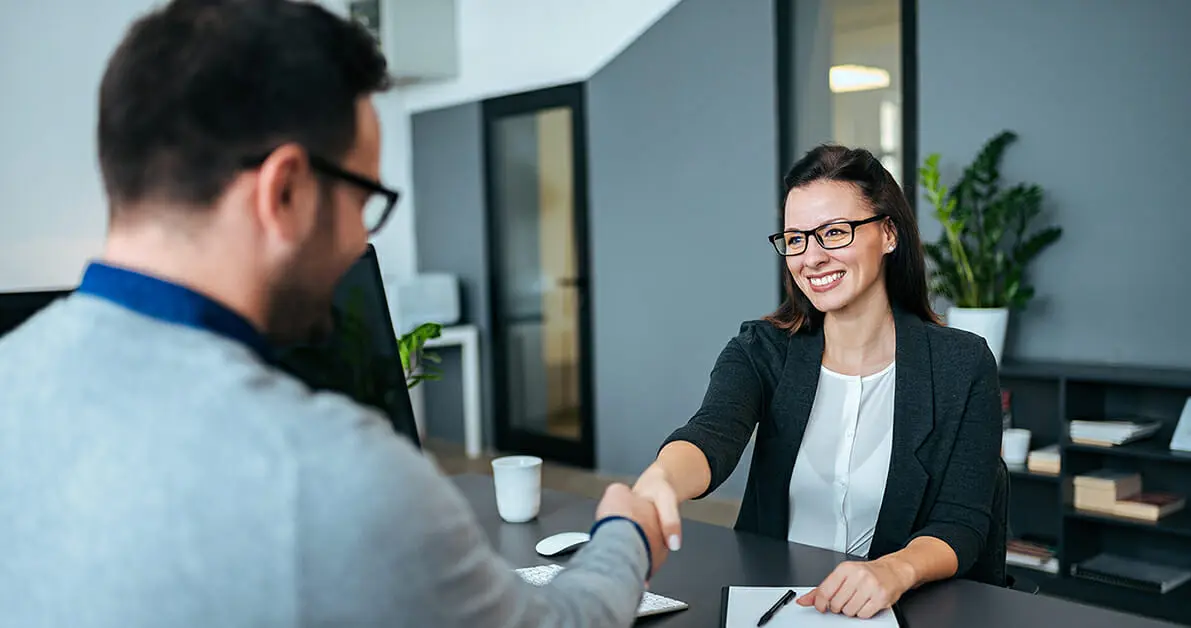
(509, 46)
(53, 214)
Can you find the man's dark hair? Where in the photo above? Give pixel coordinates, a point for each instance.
(199, 86)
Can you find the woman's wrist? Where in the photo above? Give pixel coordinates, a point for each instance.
(903, 569)
(653, 472)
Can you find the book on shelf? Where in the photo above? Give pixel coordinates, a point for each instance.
(1006, 408)
(1119, 493)
(1032, 555)
(1133, 573)
(1110, 433)
(1149, 506)
(1045, 460)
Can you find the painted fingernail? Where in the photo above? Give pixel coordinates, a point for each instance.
(675, 543)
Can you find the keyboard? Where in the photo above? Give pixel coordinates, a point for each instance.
(651, 603)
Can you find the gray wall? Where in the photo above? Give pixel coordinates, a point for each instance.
(448, 175)
(683, 192)
(1099, 91)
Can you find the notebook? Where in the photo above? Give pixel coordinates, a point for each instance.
(651, 603)
(1129, 572)
(741, 607)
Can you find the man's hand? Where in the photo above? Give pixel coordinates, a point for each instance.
(620, 501)
(860, 589)
(653, 486)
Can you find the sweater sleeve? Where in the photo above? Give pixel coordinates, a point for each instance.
(385, 540)
(731, 409)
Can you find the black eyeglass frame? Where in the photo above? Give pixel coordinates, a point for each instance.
(773, 239)
(325, 167)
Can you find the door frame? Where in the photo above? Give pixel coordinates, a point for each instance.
(785, 71)
(580, 453)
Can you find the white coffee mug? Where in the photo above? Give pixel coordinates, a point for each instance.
(518, 487)
(1015, 445)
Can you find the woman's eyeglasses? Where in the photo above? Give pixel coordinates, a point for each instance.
(833, 235)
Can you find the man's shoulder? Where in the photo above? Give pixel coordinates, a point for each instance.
(323, 426)
(358, 476)
(331, 434)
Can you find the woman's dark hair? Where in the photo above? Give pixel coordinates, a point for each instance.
(905, 267)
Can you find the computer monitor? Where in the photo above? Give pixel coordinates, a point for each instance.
(360, 357)
(18, 307)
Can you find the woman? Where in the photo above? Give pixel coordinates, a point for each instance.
(877, 429)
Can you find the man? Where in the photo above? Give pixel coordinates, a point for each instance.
(157, 470)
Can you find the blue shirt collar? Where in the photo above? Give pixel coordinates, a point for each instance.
(171, 303)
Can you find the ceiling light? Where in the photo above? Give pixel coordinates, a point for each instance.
(857, 78)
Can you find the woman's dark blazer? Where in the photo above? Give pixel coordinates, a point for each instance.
(946, 431)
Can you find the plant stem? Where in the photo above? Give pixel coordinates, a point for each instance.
(965, 267)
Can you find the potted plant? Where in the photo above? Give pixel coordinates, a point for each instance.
(414, 359)
(980, 260)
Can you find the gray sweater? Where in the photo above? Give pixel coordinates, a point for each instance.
(158, 475)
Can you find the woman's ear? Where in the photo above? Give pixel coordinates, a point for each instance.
(890, 233)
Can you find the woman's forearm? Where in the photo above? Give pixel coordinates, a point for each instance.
(925, 559)
(685, 469)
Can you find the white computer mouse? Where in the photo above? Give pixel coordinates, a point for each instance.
(562, 543)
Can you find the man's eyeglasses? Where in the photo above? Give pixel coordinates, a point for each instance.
(377, 207)
(833, 235)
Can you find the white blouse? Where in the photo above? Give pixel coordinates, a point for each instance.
(839, 476)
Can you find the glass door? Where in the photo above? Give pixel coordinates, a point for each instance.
(537, 216)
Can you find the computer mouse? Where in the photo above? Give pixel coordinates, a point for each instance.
(562, 543)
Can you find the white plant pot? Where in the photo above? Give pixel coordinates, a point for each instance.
(989, 323)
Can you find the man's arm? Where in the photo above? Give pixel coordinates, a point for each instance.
(386, 540)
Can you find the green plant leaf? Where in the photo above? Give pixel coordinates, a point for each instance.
(980, 258)
(1035, 244)
(414, 358)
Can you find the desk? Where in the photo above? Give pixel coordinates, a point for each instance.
(467, 338)
(713, 557)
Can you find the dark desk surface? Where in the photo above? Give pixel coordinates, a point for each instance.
(713, 557)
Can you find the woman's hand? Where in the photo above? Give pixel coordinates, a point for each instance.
(862, 589)
(655, 487)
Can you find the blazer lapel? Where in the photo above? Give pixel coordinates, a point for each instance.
(913, 420)
(800, 381)
(796, 391)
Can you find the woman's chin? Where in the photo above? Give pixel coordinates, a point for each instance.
(829, 303)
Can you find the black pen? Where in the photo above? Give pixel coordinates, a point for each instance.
(776, 607)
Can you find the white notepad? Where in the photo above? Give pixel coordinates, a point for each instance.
(747, 604)
(651, 603)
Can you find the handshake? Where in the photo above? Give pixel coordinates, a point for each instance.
(653, 504)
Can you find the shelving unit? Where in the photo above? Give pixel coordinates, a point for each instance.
(1022, 473)
(1045, 397)
(1149, 449)
(1178, 523)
